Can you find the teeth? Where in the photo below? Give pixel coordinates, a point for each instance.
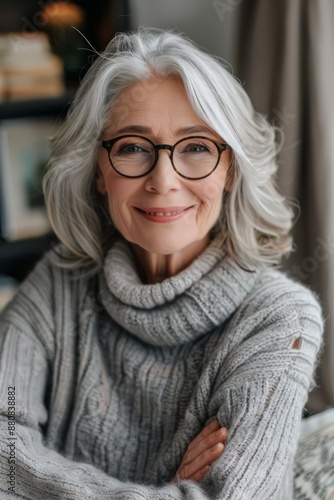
(163, 213)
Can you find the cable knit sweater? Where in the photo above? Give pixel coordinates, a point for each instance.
(114, 378)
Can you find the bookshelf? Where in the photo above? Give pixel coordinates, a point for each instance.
(53, 106)
(101, 21)
(18, 257)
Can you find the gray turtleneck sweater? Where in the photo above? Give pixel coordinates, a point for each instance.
(113, 379)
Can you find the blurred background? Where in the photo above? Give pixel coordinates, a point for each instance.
(282, 53)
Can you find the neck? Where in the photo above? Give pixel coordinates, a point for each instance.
(154, 268)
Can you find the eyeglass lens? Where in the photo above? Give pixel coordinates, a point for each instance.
(193, 157)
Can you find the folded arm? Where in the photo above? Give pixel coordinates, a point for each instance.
(36, 470)
(260, 403)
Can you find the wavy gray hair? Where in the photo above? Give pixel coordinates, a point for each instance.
(255, 219)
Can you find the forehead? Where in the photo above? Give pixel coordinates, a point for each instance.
(157, 102)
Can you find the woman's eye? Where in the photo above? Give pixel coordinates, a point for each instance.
(196, 148)
(131, 148)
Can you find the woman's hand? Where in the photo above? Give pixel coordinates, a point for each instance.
(202, 451)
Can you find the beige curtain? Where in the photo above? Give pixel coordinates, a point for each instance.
(286, 63)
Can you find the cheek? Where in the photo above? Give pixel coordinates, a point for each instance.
(119, 213)
(212, 189)
(117, 200)
(120, 193)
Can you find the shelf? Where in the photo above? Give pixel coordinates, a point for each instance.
(36, 107)
(29, 248)
(18, 257)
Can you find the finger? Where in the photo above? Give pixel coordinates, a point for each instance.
(189, 471)
(218, 436)
(200, 474)
(211, 427)
(203, 460)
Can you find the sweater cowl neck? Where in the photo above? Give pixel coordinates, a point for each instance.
(180, 308)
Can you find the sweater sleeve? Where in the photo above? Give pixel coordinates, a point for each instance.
(261, 402)
(30, 469)
(257, 409)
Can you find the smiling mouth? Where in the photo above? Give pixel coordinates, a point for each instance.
(163, 214)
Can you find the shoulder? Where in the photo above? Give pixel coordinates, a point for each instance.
(43, 296)
(35, 289)
(38, 286)
(277, 329)
(276, 294)
(293, 309)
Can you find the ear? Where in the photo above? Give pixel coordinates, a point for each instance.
(100, 181)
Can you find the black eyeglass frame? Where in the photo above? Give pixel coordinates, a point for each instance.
(108, 144)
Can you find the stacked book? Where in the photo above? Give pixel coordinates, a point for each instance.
(28, 69)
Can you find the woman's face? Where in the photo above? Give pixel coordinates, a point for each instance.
(158, 110)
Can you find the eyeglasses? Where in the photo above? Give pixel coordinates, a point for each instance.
(135, 156)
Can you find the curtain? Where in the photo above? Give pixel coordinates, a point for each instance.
(286, 63)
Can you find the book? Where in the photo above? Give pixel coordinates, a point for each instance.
(28, 67)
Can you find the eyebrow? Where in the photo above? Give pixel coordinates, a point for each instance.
(141, 129)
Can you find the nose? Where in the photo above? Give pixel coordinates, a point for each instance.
(163, 177)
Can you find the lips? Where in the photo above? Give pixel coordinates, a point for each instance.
(167, 214)
(163, 214)
(163, 211)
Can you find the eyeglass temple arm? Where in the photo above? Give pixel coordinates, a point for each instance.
(223, 147)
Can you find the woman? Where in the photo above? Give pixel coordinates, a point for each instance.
(161, 319)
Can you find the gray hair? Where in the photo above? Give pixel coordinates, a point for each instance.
(255, 219)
